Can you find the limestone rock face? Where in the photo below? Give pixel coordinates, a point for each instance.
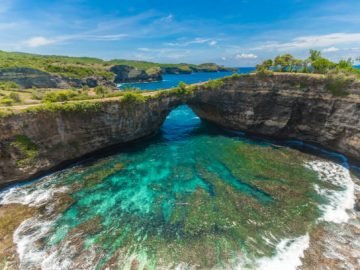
(286, 106)
(62, 136)
(124, 74)
(29, 77)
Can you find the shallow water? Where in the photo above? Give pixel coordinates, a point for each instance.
(194, 196)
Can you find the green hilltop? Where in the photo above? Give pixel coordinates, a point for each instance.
(80, 67)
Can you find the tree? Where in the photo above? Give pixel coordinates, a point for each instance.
(286, 62)
(322, 65)
(346, 64)
(314, 55)
(265, 65)
(182, 85)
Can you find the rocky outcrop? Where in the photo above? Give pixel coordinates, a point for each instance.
(29, 77)
(286, 106)
(188, 69)
(33, 142)
(283, 106)
(126, 74)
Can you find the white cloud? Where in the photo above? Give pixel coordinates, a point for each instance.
(208, 41)
(246, 56)
(98, 37)
(307, 42)
(157, 53)
(330, 49)
(213, 43)
(43, 41)
(167, 19)
(39, 41)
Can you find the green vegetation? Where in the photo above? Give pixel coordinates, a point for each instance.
(133, 98)
(337, 84)
(339, 75)
(60, 95)
(315, 63)
(214, 84)
(78, 106)
(101, 91)
(81, 67)
(7, 86)
(28, 149)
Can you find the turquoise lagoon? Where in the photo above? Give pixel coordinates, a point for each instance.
(194, 196)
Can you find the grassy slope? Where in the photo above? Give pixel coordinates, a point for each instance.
(79, 67)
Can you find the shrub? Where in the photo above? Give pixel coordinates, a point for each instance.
(133, 98)
(101, 90)
(323, 65)
(80, 106)
(6, 101)
(28, 149)
(8, 86)
(264, 73)
(59, 95)
(38, 95)
(214, 84)
(338, 84)
(15, 97)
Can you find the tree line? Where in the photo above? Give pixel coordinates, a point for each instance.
(315, 63)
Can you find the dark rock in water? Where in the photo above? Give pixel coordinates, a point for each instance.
(124, 74)
(29, 77)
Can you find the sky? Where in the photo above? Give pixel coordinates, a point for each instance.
(232, 33)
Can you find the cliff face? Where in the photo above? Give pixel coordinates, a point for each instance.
(282, 106)
(29, 77)
(124, 74)
(286, 106)
(35, 142)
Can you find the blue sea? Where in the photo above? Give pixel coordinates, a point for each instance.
(172, 80)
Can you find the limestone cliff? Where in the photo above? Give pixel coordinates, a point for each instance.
(286, 106)
(29, 77)
(126, 74)
(33, 142)
(282, 106)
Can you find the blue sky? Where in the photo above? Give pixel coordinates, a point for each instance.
(235, 33)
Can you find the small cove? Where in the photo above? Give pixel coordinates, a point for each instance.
(192, 196)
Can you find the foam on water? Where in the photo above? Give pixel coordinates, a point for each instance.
(35, 196)
(288, 255)
(26, 237)
(338, 201)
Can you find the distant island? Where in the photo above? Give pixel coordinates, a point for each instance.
(51, 71)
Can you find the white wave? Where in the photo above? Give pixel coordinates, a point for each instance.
(287, 257)
(26, 238)
(339, 201)
(33, 197)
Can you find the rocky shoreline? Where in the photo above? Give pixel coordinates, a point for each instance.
(26, 77)
(284, 106)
